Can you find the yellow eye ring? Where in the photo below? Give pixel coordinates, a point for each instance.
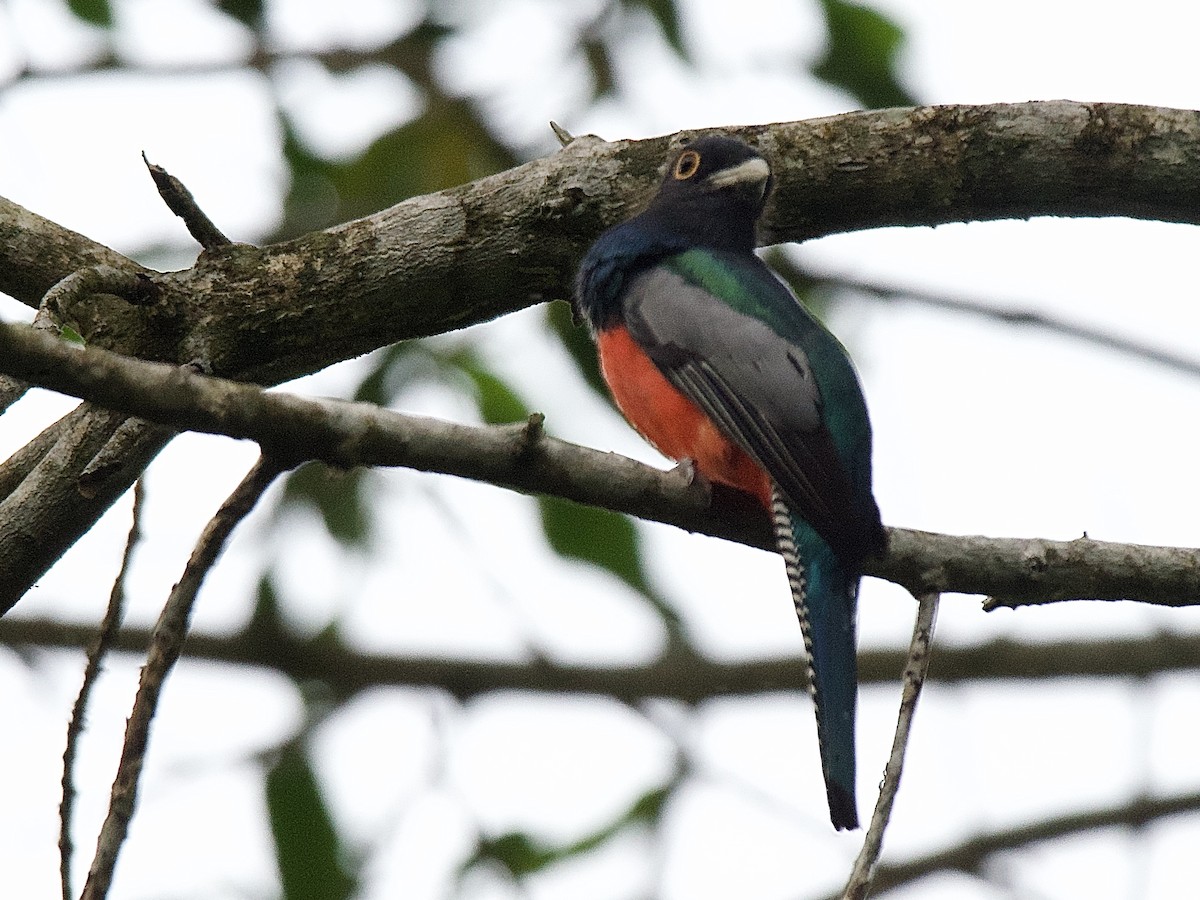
(687, 165)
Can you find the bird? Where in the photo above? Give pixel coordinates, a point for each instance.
(713, 359)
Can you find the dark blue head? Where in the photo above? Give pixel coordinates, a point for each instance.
(712, 194)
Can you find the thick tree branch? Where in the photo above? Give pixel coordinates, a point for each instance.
(680, 674)
(442, 261)
(435, 263)
(36, 254)
(1013, 571)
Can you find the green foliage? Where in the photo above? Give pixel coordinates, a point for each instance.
(600, 64)
(248, 12)
(339, 497)
(94, 12)
(72, 336)
(497, 401)
(605, 539)
(666, 13)
(861, 55)
(520, 855)
(307, 848)
(575, 338)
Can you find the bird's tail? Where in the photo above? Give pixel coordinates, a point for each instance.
(825, 596)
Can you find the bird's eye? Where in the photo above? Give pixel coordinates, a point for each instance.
(687, 165)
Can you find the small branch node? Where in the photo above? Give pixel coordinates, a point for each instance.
(181, 202)
(564, 137)
(535, 428)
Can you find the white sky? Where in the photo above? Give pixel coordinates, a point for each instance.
(979, 428)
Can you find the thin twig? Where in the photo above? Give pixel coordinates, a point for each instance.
(169, 634)
(181, 202)
(1017, 316)
(914, 679)
(105, 638)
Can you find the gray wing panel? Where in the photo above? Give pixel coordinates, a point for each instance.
(755, 385)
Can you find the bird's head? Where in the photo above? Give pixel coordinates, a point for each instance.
(714, 190)
(717, 168)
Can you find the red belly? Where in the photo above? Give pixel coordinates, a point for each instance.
(669, 420)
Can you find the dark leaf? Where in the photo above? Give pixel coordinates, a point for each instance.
(861, 56)
(338, 496)
(94, 12)
(648, 808)
(522, 855)
(666, 13)
(307, 847)
(595, 50)
(392, 370)
(516, 852)
(248, 12)
(447, 145)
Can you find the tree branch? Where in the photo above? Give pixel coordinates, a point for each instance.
(520, 457)
(971, 855)
(681, 673)
(1017, 316)
(439, 262)
(101, 644)
(166, 643)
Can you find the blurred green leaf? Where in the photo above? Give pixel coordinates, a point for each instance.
(94, 12)
(666, 13)
(523, 855)
(595, 51)
(393, 369)
(307, 847)
(598, 536)
(648, 808)
(560, 318)
(248, 12)
(338, 496)
(861, 57)
(447, 145)
(498, 403)
(516, 852)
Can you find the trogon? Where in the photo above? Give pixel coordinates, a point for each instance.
(714, 360)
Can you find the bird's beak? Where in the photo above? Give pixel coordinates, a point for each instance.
(752, 172)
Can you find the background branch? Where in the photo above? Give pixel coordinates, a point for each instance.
(681, 673)
(973, 854)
